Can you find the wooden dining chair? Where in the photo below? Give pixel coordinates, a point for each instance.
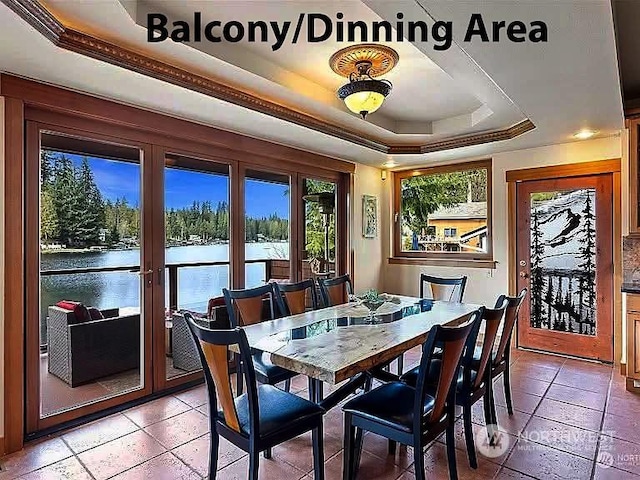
(291, 298)
(474, 378)
(410, 415)
(259, 419)
(335, 291)
(248, 307)
(502, 357)
(444, 289)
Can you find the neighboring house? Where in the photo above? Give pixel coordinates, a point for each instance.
(103, 233)
(464, 224)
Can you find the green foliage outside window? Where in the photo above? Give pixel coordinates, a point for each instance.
(314, 222)
(424, 194)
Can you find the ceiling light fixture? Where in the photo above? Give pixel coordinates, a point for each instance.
(360, 64)
(584, 134)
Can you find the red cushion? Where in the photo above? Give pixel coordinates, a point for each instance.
(66, 304)
(80, 312)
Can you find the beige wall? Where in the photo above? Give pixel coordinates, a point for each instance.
(484, 285)
(2, 266)
(369, 257)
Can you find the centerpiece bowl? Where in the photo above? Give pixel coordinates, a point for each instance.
(372, 301)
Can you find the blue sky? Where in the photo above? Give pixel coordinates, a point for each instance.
(182, 187)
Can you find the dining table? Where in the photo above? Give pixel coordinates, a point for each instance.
(344, 343)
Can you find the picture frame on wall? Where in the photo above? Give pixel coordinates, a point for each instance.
(369, 216)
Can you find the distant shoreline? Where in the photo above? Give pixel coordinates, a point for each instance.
(103, 249)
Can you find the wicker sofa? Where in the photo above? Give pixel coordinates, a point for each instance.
(185, 355)
(82, 352)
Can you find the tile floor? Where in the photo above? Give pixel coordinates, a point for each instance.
(573, 420)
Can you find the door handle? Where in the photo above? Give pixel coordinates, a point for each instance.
(145, 272)
(524, 274)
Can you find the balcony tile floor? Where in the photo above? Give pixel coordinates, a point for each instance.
(573, 420)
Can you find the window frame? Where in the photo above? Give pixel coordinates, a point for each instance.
(442, 258)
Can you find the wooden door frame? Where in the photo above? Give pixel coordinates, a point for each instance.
(33, 421)
(608, 166)
(14, 302)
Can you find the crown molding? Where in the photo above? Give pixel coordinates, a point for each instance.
(36, 15)
(466, 140)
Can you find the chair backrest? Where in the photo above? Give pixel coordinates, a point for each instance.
(452, 340)
(213, 349)
(491, 319)
(446, 289)
(249, 305)
(510, 319)
(335, 291)
(291, 298)
(212, 304)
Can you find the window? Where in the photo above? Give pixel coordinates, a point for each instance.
(444, 212)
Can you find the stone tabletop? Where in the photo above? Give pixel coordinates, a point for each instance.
(342, 352)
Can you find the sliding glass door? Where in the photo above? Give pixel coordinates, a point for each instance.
(196, 256)
(267, 206)
(88, 301)
(123, 237)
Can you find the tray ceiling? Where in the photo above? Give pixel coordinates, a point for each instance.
(442, 100)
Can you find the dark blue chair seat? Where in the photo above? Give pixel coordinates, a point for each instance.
(392, 405)
(411, 377)
(267, 372)
(279, 411)
(477, 355)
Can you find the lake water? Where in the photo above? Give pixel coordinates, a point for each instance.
(122, 289)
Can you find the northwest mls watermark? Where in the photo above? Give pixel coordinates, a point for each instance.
(494, 442)
(319, 27)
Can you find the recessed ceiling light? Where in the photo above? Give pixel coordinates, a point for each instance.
(389, 164)
(584, 134)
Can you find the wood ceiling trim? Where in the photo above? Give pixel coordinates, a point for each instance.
(36, 15)
(468, 140)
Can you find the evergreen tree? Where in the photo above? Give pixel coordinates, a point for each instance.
(49, 227)
(66, 199)
(587, 265)
(47, 159)
(74, 212)
(92, 218)
(537, 281)
(548, 300)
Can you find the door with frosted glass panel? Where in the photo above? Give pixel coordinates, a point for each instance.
(565, 259)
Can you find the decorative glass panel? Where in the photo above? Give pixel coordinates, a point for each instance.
(563, 261)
